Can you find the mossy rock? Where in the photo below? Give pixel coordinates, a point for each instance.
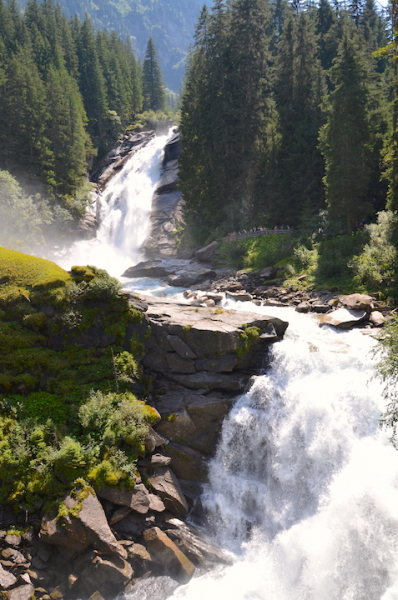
(28, 272)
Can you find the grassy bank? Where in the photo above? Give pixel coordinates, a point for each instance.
(68, 364)
(365, 261)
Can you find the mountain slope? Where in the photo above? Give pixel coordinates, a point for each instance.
(169, 22)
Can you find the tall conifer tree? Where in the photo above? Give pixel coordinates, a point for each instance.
(153, 88)
(345, 138)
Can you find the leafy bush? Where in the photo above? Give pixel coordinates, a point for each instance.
(21, 216)
(69, 461)
(305, 257)
(387, 370)
(93, 283)
(160, 121)
(335, 256)
(258, 252)
(377, 264)
(38, 464)
(114, 419)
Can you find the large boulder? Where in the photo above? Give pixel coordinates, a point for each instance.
(77, 533)
(190, 275)
(343, 318)
(195, 546)
(107, 575)
(207, 253)
(205, 413)
(187, 463)
(166, 485)
(137, 499)
(167, 554)
(176, 425)
(22, 592)
(6, 579)
(357, 302)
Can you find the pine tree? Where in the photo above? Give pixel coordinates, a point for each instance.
(92, 81)
(66, 131)
(249, 98)
(345, 138)
(327, 34)
(25, 116)
(195, 161)
(135, 78)
(153, 88)
(392, 148)
(298, 191)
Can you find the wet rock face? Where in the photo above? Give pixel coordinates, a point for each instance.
(113, 162)
(167, 205)
(206, 347)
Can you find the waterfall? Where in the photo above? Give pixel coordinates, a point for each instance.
(123, 212)
(303, 489)
(304, 485)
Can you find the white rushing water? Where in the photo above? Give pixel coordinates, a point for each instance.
(123, 214)
(304, 486)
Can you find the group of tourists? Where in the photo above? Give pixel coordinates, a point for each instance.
(262, 230)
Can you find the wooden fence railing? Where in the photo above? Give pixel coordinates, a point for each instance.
(237, 237)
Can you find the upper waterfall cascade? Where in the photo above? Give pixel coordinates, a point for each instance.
(123, 211)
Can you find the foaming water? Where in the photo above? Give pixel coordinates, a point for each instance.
(123, 212)
(304, 485)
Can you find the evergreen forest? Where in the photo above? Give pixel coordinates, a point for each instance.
(67, 93)
(287, 117)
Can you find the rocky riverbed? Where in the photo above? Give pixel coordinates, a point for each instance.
(107, 539)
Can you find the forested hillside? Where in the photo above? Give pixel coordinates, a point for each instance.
(67, 92)
(287, 114)
(169, 22)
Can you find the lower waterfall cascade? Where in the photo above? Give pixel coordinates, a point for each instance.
(304, 485)
(303, 489)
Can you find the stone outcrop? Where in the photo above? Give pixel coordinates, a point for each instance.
(165, 484)
(167, 204)
(263, 292)
(77, 533)
(177, 271)
(207, 253)
(114, 161)
(104, 540)
(168, 556)
(343, 318)
(206, 347)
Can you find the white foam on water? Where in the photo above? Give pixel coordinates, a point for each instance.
(304, 485)
(123, 213)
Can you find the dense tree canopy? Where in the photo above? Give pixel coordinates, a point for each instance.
(66, 93)
(284, 115)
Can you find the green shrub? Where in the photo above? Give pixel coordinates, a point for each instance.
(93, 283)
(304, 257)
(258, 252)
(387, 370)
(69, 462)
(335, 256)
(41, 406)
(377, 264)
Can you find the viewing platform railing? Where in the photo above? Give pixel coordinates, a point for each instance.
(237, 237)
